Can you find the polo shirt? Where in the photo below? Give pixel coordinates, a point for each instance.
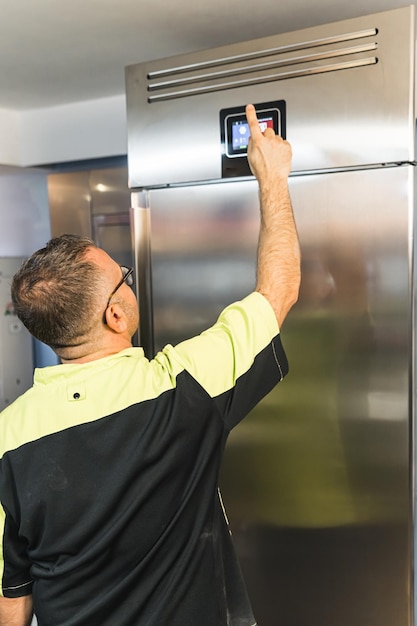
(110, 511)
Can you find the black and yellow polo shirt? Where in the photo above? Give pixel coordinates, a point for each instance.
(110, 513)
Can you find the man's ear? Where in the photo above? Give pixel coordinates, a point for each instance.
(116, 318)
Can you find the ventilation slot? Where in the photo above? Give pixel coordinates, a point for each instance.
(255, 67)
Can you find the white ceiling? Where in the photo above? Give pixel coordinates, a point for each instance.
(55, 52)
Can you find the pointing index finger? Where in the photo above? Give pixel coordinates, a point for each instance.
(253, 121)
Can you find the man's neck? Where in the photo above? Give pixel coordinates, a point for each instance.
(78, 355)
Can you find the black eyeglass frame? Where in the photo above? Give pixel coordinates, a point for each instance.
(127, 277)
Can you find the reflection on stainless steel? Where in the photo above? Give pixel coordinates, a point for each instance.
(93, 203)
(69, 203)
(203, 247)
(336, 460)
(318, 480)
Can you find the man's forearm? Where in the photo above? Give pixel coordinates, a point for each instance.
(16, 611)
(278, 271)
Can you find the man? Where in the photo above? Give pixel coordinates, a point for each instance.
(109, 465)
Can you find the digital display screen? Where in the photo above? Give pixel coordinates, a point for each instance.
(240, 132)
(237, 130)
(234, 133)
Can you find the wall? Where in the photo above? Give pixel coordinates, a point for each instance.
(24, 211)
(25, 224)
(72, 132)
(10, 137)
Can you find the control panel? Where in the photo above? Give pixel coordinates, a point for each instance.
(234, 134)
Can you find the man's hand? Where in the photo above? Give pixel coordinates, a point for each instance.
(269, 155)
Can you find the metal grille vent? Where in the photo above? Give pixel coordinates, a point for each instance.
(262, 66)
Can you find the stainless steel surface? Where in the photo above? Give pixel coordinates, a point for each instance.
(203, 248)
(141, 242)
(69, 203)
(109, 196)
(93, 203)
(353, 106)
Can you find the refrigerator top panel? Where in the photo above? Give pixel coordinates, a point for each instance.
(347, 89)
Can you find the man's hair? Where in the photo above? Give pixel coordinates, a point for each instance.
(54, 293)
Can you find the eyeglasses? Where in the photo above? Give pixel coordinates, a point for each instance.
(127, 277)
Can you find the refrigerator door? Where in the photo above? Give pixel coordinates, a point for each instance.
(316, 480)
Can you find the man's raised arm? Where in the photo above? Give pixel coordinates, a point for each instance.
(278, 270)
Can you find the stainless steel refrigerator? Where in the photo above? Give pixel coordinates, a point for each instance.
(318, 480)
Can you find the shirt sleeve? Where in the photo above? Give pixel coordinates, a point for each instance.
(14, 563)
(239, 359)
